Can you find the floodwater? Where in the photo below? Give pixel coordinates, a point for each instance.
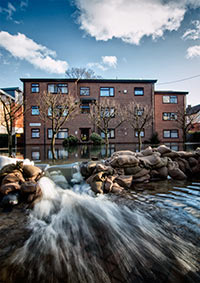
(150, 234)
(42, 154)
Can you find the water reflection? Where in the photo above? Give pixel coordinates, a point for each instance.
(83, 152)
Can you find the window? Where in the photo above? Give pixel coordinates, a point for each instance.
(60, 154)
(35, 88)
(170, 133)
(62, 111)
(170, 99)
(62, 134)
(62, 88)
(58, 112)
(35, 155)
(49, 111)
(57, 88)
(111, 134)
(108, 112)
(35, 133)
(52, 88)
(141, 133)
(49, 133)
(35, 110)
(85, 108)
(139, 111)
(169, 116)
(138, 91)
(106, 91)
(85, 91)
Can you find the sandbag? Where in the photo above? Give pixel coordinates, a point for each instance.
(124, 181)
(141, 173)
(147, 151)
(174, 171)
(163, 162)
(151, 160)
(31, 172)
(184, 165)
(119, 171)
(192, 161)
(143, 179)
(100, 167)
(9, 187)
(109, 183)
(160, 173)
(29, 187)
(124, 161)
(162, 149)
(123, 152)
(96, 182)
(132, 170)
(172, 154)
(186, 154)
(15, 177)
(116, 188)
(196, 171)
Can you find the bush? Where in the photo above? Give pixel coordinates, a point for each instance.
(71, 140)
(194, 137)
(96, 139)
(154, 138)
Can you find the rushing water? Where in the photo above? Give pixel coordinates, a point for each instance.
(148, 235)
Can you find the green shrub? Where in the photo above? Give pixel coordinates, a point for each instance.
(194, 137)
(154, 138)
(71, 140)
(96, 139)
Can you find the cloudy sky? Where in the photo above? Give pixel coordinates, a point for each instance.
(150, 39)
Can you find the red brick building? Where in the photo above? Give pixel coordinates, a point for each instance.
(122, 91)
(167, 105)
(163, 103)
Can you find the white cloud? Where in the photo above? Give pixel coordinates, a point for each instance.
(111, 61)
(96, 65)
(193, 51)
(9, 10)
(131, 20)
(24, 3)
(106, 62)
(25, 48)
(193, 33)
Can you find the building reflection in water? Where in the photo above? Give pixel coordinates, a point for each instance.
(41, 154)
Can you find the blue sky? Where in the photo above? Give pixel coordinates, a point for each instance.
(150, 39)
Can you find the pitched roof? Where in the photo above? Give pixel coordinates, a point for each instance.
(2, 92)
(193, 110)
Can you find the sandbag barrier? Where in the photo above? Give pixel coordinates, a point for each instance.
(18, 183)
(125, 169)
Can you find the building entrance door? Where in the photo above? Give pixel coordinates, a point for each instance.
(85, 132)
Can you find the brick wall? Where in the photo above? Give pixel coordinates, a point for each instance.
(161, 124)
(123, 134)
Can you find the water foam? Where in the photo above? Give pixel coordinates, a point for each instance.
(80, 238)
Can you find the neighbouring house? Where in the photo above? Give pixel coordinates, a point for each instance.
(169, 106)
(193, 113)
(123, 91)
(13, 94)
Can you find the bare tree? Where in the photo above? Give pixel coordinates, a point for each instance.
(106, 114)
(140, 117)
(12, 110)
(57, 108)
(81, 73)
(185, 121)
